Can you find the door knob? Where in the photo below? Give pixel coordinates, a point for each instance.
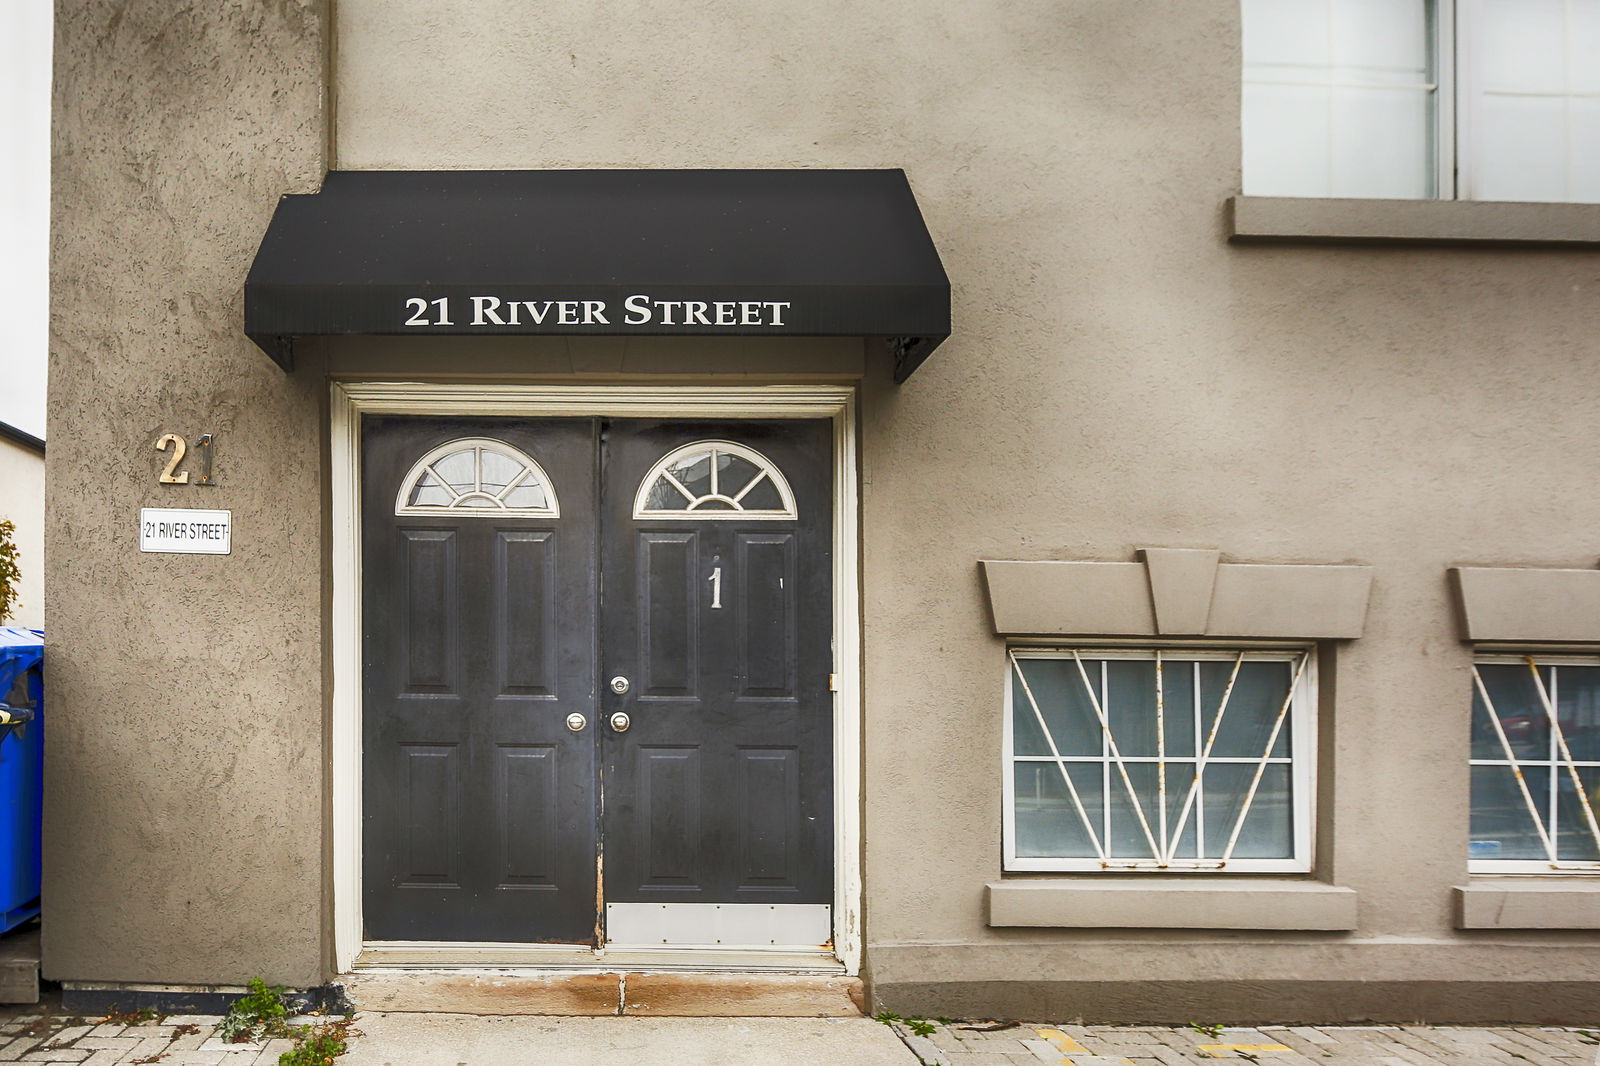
(576, 722)
(620, 721)
(619, 684)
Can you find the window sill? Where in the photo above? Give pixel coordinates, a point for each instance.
(1306, 220)
(1568, 904)
(1139, 903)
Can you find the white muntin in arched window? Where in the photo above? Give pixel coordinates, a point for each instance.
(477, 476)
(715, 479)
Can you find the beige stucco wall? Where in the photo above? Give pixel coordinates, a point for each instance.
(22, 503)
(1119, 376)
(183, 824)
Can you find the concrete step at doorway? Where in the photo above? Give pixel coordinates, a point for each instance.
(666, 994)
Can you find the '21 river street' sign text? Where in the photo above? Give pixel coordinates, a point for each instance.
(636, 310)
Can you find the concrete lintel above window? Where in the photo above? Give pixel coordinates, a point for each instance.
(1131, 903)
(1177, 592)
(1527, 905)
(1307, 220)
(1522, 605)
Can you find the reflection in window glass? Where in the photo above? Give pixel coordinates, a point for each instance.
(1169, 760)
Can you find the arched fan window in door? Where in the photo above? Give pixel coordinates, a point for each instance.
(714, 479)
(477, 476)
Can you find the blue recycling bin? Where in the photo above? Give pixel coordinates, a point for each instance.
(21, 772)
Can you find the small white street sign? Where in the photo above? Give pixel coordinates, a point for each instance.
(185, 532)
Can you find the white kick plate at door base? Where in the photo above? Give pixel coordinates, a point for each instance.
(786, 925)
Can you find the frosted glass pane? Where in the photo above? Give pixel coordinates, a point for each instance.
(1047, 822)
(1286, 32)
(1521, 148)
(1064, 703)
(459, 469)
(1519, 45)
(1381, 143)
(1382, 37)
(1583, 146)
(1501, 826)
(1268, 829)
(529, 494)
(1583, 46)
(1286, 140)
(498, 471)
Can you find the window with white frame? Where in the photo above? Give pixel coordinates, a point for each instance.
(1159, 759)
(1535, 764)
(1422, 99)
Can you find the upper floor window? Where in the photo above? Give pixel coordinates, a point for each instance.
(1422, 99)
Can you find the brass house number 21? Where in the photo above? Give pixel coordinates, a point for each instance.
(171, 475)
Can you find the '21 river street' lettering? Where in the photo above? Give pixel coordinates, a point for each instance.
(637, 310)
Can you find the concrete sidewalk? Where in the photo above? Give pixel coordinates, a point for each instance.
(440, 1039)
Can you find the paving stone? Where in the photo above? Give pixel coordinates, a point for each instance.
(196, 1058)
(104, 1057)
(1044, 1051)
(204, 1021)
(274, 1049)
(188, 1042)
(65, 1054)
(19, 1046)
(95, 1043)
(106, 1032)
(926, 1050)
(216, 1043)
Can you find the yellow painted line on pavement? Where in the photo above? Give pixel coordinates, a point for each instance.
(1226, 1051)
(1062, 1041)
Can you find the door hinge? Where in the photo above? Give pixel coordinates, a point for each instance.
(833, 682)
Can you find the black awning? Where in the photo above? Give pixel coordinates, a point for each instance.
(808, 253)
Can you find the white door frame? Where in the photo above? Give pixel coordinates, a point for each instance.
(350, 400)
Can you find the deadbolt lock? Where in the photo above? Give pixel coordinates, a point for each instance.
(576, 722)
(620, 722)
(619, 684)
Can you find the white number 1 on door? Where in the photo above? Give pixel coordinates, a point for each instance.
(716, 588)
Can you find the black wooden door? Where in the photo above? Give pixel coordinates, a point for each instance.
(487, 808)
(721, 788)
(478, 800)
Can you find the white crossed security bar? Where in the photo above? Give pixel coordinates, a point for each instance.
(1163, 839)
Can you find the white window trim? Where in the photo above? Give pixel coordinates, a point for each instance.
(1302, 718)
(1535, 867)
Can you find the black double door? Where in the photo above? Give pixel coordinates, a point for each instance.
(592, 676)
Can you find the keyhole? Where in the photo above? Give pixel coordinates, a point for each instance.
(716, 588)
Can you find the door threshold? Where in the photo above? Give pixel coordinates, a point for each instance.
(573, 958)
(599, 992)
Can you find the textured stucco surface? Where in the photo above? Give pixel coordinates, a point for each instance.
(184, 798)
(1120, 376)
(22, 503)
